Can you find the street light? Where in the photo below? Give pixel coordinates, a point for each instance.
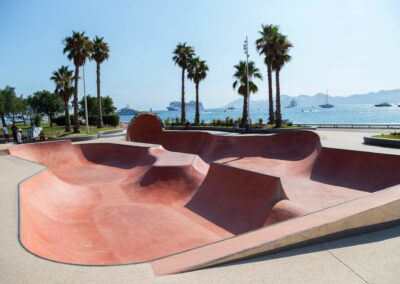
(246, 51)
(84, 95)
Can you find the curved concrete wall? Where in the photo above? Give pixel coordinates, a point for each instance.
(105, 203)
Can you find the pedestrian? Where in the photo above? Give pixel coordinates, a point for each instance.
(42, 135)
(19, 136)
(6, 135)
(187, 125)
(14, 130)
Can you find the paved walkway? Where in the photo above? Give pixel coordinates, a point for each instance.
(368, 258)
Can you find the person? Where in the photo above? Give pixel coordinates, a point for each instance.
(187, 125)
(19, 136)
(246, 128)
(6, 135)
(42, 135)
(14, 130)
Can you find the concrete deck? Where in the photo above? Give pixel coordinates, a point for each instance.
(369, 258)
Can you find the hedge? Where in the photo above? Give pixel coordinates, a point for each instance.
(60, 120)
(108, 119)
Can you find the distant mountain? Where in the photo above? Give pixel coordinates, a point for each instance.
(390, 96)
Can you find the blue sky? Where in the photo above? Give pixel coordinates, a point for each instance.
(345, 46)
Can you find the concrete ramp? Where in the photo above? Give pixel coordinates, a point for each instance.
(235, 199)
(373, 211)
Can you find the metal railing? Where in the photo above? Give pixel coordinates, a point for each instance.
(352, 125)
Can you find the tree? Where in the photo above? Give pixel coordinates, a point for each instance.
(100, 53)
(241, 83)
(45, 102)
(197, 71)
(63, 78)
(265, 46)
(279, 58)
(107, 105)
(9, 103)
(181, 56)
(20, 106)
(78, 48)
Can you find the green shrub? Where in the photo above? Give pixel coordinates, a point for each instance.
(167, 121)
(260, 122)
(202, 123)
(108, 119)
(238, 121)
(111, 119)
(229, 121)
(60, 120)
(37, 120)
(93, 119)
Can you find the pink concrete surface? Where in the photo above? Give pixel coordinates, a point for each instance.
(105, 203)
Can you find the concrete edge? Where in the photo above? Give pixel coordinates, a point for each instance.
(234, 248)
(384, 142)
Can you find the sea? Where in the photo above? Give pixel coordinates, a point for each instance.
(357, 114)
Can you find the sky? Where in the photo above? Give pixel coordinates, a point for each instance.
(345, 46)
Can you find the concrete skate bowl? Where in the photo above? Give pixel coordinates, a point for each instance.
(199, 199)
(338, 190)
(99, 204)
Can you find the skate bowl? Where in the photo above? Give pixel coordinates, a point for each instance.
(198, 199)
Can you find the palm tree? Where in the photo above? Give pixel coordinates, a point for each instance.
(100, 53)
(181, 56)
(241, 79)
(197, 71)
(265, 46)
(63, 78)
(280, 57)
(78, 48)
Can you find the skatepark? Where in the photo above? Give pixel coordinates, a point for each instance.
(191, 200)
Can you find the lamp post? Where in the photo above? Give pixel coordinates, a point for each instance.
(84, 95)
(246, 52)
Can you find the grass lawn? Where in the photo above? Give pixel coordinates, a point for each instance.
(57, 131)
(387, 136)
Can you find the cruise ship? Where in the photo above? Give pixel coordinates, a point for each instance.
(175, 106)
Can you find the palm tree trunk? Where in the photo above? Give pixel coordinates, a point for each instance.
(67, 119)
(197, 116)
(278, 115)
(183, 110)
(99, 111)
(51, 119)
(76, 107)
(271, 117)
(245, 119)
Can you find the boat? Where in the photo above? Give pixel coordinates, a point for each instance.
(326, 104)
(175, 106)
(231, 108)
(293, 103)
(385, 104)
(127, 111)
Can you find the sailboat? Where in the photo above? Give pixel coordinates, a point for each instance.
(326, 104)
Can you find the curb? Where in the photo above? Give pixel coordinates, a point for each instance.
(383, 142)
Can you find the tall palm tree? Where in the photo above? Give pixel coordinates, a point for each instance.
(280, 57)
(241, 82)
(78, 48)
(197, 71)
(63, 78)
(181, 56)
(265, 46)
(100, 53)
